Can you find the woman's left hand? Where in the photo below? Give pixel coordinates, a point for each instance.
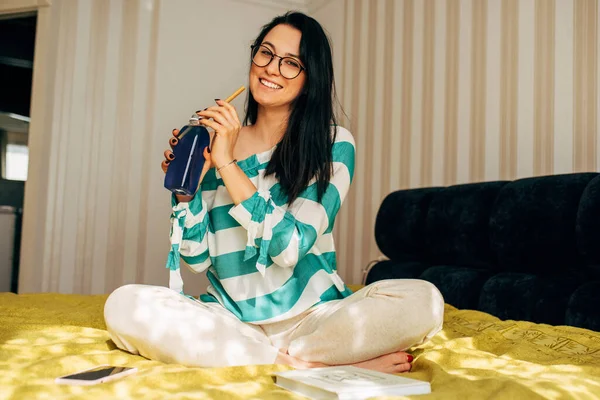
(223, 119)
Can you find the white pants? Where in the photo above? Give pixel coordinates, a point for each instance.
(382, 318)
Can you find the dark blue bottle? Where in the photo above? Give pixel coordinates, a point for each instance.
(184, 171)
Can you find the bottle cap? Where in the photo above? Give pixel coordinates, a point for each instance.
(195, 119)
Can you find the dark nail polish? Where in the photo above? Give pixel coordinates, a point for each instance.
(409, 358)
(217, 100)
(167, 162)
(173, 131)
(171, 156)
(205, 109)
(200, 110)
(209, 150)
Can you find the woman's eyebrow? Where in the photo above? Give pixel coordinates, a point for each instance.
(287, 54)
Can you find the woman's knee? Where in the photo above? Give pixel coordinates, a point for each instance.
(404, 288)
(430, 305)
(121, 306)
(120, 297)
(422, 295)
(435, 307)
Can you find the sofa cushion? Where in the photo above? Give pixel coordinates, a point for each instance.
(588, 223)
(537, 259)
(458, 225)
(519, 296)
(583, 310)
(460, 286)
(400, 224)
(396, 270)
(532, 226)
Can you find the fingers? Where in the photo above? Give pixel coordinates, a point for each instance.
(169, 156)
(174, 140)
(230, 110)
(231, 114)
(217, 116)
(226, 110)
(211, 124)
(164, 165)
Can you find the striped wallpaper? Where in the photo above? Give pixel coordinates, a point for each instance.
(440, 92)
(112, 78)
(437, 92)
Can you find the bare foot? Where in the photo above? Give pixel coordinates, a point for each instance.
(389, 363)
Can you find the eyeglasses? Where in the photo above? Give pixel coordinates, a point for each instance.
(289, 67)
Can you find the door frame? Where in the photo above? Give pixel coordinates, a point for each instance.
(21, 6)
(36, 187)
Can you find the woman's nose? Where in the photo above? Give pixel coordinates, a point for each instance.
(273, 67)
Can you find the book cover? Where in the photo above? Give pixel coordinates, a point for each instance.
(346, 382)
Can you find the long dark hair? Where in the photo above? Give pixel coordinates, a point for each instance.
(304, 152)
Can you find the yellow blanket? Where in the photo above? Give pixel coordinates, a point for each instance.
(475, 356)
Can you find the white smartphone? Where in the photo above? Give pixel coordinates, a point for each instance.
(99, 374)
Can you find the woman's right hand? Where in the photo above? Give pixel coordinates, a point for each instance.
(169, 156)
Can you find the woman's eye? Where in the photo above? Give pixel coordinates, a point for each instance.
(293, 63)
(266, 53)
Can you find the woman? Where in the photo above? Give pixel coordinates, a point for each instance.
(261, 228)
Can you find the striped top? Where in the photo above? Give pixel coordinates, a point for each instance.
(266, 260)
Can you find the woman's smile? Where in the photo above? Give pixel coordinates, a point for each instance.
(269, 84)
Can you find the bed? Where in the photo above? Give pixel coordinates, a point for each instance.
(475, 356)
(517, 263)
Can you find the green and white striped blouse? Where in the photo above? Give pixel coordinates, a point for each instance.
(266, 261)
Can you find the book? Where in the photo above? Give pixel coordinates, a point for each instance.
(347, 382)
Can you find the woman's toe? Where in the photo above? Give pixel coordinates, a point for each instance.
(404, 367)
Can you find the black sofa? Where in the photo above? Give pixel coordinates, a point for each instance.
(527, 249)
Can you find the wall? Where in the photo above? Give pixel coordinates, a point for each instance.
(440, 92)
(111, 80)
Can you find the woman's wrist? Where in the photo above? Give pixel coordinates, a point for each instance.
(234, 161)
(220, 162)
(239, 186)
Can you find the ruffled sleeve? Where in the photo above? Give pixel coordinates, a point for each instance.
(188, 237)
